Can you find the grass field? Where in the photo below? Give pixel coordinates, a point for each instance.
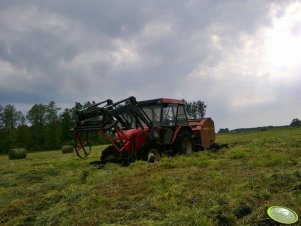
(233, 186)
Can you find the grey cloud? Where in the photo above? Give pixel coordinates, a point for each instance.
(70, 51)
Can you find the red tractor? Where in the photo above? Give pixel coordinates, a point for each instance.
(142, 130)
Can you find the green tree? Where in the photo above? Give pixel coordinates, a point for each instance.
(295, 122)
(66, 125)
(23, 136)
(10, 117)
(88, 104)
(78, 106)
(225, 130)
(22, 131)
(196, 109)
(37, 118)
(1, 115)
(53, 126)
(5, 140)
(9, 120)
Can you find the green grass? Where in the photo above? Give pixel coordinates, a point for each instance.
(233, 186)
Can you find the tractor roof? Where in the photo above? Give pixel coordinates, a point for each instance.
(161, 101)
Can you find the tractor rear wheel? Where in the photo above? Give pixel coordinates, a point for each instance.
(183, 143)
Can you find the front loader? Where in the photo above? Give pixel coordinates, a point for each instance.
(142, 130)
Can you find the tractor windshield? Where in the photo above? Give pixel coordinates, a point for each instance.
(153, 112)
(169, 115)
(166, 114)
(181, 119)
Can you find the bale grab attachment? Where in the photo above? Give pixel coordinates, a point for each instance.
(110, 120)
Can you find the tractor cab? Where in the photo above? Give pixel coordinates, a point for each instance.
(165, 112)
(168, 118)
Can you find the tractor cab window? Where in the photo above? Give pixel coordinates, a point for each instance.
(153, 112)
(182, 119)
(169, 115)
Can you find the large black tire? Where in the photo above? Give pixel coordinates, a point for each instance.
(109, 154)
(150, 152)
(126, 159)
(153, 155)
(183, 143)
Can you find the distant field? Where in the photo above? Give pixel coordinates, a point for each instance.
(233, 186)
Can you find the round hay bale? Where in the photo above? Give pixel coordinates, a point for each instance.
(19, 153)
(67, 149)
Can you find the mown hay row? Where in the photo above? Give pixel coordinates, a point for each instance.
(67, 149)
(19, 153)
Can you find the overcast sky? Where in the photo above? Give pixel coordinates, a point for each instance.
(243, 58)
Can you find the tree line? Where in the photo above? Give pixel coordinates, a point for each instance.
(44, 127)
(195, 109)
(295, 122)
(47, 127)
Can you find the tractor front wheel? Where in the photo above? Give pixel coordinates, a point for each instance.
(153, 155)
(109, 154)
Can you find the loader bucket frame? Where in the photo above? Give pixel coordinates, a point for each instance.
(82, 145)
(86, 124)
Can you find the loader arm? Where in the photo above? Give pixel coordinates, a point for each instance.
(112, 118)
